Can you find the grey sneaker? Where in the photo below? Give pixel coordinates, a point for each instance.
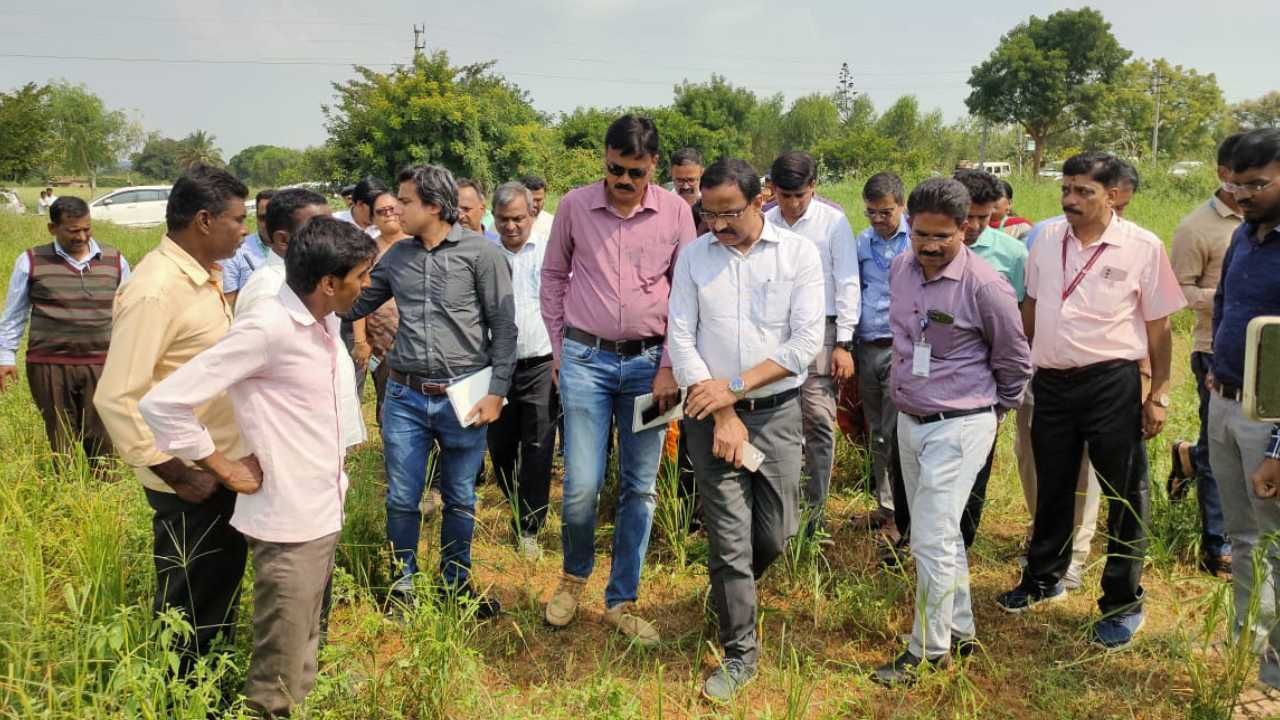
(727, 680)
(529, 548)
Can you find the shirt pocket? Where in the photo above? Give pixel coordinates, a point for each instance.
(941, 338)
(773, 301)
(655, 263)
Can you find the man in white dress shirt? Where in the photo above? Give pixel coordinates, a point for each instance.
(744, 323)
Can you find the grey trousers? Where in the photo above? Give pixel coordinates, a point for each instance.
(818, 407)
(874, 363)
(1237, 446)
(748, 516)
(288, 589)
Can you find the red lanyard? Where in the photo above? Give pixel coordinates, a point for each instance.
(1066, 293)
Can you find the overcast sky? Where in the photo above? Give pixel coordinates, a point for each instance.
(565, 54)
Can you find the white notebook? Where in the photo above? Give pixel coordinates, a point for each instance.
(465, 393)
(642, 406)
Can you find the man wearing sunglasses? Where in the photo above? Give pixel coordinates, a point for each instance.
(606, 278)
(794, 176)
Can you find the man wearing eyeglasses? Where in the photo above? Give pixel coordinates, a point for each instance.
(606, 278)
(794, 176)
(1245, 454)
(1100, 290)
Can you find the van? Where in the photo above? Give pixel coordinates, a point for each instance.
(999, 169)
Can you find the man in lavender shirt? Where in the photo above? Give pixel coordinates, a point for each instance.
(605, 281)
(960, 362)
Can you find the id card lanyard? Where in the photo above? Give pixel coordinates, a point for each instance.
(1075, 282)
(921, 351)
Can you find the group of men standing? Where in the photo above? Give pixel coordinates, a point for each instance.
(236, 412)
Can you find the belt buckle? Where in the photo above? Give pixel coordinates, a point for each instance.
(422, 388)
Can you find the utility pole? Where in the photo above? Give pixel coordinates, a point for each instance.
(1155, 129)
(419, 41)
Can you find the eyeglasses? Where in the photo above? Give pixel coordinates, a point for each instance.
(617, 171)
(1249, 188)
(710, 217)
(387, 211)
(879, 214)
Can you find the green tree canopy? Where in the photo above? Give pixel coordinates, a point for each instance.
(159, 158)
(266, 165)
(1193, 113)
(89, 138)
(1263, 112)
(26, 129)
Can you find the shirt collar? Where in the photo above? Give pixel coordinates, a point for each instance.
(1223, 209)
(770, 233)
(954, 269)
(293, 305)
(94, 251)
(903, 230)
(187, 264)
(1112, 234)
(984, 239)
(273, 259)
(600, 199)
(1251, 232)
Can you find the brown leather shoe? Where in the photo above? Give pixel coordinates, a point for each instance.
(622, 617)
(1181, 471)
(563, 605)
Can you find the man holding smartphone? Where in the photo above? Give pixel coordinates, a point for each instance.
(745, 320)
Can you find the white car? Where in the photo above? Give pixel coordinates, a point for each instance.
(10, 202)
(1184, 168)
(138, 206)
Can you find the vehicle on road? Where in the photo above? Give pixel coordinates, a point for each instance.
(137, 206)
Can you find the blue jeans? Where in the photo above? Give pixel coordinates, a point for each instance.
(411, 423)
(595, 385)
(1213, 534)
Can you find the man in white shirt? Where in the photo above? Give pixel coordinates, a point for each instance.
(538, 188)
(744, 323)
(794, 175)
(522, 440)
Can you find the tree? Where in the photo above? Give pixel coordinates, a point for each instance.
(1193, 112)
(1263, 112)
(266, 165)
(810, 119)
(199, 148)
(25, 130)
(1046, 74)
(158, 159)
(845, 94)
(88, 137)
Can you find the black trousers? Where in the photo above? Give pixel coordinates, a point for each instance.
(522, 443)
(1100, 405)
(972, 515)
(199, 560)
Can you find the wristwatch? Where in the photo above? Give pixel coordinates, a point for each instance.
(846, 345)
(1161, 400)
(738, 387)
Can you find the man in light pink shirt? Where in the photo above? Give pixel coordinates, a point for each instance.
(280, 365)
(1100, 291)
(605, 281)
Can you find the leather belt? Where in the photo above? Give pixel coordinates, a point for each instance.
(766, 403)
(625, 348)
(1230, 392)
(419, 383)
(526, 363)
(949, 415)
(1072, 372)
(879, 342)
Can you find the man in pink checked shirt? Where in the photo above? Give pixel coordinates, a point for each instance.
(280, 365)
(605, 281)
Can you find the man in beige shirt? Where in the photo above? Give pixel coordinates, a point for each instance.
(1199, 245)
(171, 309)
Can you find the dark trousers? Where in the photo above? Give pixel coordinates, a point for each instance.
(1213, 534)
(972, 515)
(199, 560)
(64, 396)
(1100, 405)
(687, 487)
(522, 443)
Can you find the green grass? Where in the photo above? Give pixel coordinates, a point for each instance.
(77, 639)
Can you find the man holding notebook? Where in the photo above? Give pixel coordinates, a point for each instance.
(744, 322)
(457, 319)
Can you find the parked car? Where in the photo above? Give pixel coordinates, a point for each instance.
(1051, 174)
(1183, 168)
(138, 206)
(10, 202)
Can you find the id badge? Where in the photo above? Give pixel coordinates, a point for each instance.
(920, 359)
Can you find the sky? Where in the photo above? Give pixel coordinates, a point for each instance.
(259, 72)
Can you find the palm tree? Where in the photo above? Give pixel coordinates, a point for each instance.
(199, 148)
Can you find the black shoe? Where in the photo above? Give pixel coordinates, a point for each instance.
(1180, 472)
(963, 647)
(905, 669)
(486, 608)
(1217, 565)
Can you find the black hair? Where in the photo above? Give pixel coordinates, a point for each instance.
(347, 190)
(793, 171)
(1226, 148)
(283, 205)
(203, 187)
(474, 185)
(373, 200)
(633, 136)
(264, 195)
(686, 156)
(983, 187)
(1007, 189)
(434, 186)
(68, 207)
(366, 190)
(944, 196)
(732, 170)
(1255, 149)
(1129, 175)
(533, 182)
(324, 246)
(882, 185)
(1100, 167)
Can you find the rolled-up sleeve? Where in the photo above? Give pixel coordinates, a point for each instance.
(497, 301)
(807, 320)
(844, 270)
(169, 408)
(682, 327)
(1010, 353)
(1161, 296)
(556, 264)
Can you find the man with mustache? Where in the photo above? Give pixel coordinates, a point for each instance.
(1245, 454)
(746, 320)
(605, 281)
(960, 362)
(1100, 291)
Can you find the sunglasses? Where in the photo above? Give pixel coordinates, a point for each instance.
(387, 211)
(617, 171)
